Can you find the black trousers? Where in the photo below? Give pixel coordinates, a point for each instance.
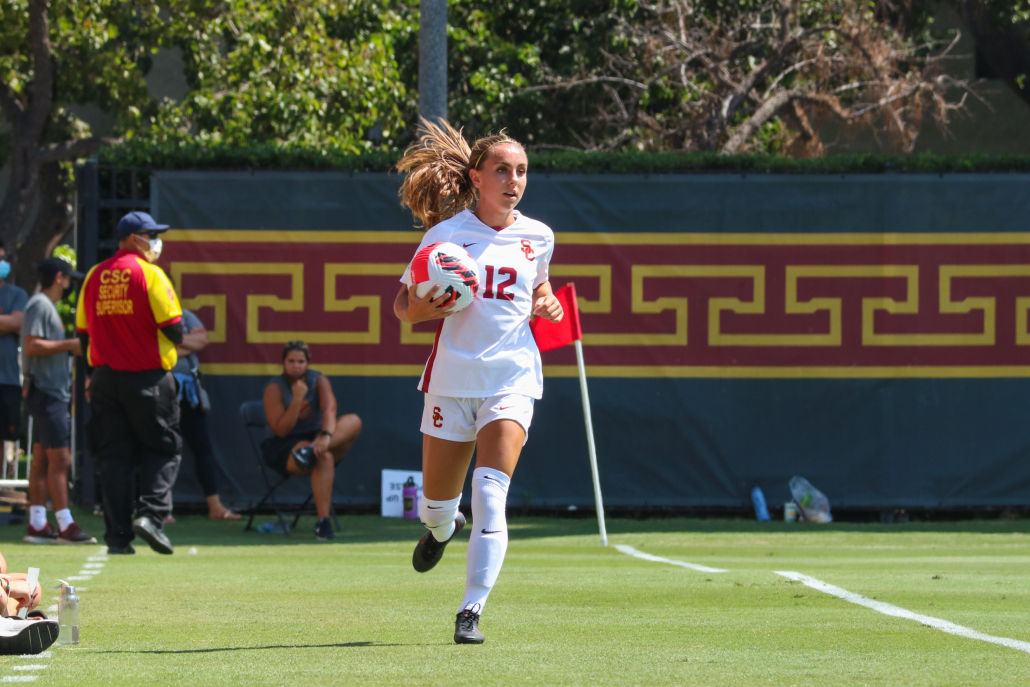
(135, 426)
(197, 434)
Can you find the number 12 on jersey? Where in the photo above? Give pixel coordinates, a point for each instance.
(508, 272)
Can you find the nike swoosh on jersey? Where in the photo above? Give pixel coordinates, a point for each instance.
(466, 245)
(490, 532)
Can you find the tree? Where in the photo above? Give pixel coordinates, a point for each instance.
(764, 75)
(313, 72)
(54, 53)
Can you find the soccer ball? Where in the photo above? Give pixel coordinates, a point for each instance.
(450, 267)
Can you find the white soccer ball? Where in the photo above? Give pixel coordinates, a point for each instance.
(450, 267)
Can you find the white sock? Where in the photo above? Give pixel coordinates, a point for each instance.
(489, 540)
(64, 518)
(438, 516)
(37, 517)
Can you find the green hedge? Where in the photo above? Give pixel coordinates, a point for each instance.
(283, 157)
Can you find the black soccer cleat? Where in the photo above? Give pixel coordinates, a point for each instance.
(428, 551)
(466, 627)
(31, 635)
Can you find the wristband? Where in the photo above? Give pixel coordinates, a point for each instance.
(325, 432)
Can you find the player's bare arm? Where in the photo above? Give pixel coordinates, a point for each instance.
(195, 341)
(38, 347)
(11, 323)
(409, 308)
(281, 419)
(545, 305)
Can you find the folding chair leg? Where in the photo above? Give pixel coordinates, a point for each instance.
(303, 507)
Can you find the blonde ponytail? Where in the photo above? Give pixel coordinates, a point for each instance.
(437, 184)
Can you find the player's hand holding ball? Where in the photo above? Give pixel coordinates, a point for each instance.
(430, 306)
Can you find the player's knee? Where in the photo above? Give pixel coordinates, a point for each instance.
(353, 423)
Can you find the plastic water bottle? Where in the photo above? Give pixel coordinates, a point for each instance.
(273, 528)
(410, 498)
(68, 616)
(758, 499)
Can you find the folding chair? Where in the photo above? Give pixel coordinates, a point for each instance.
(255, 424)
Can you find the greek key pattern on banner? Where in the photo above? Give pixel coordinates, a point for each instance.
(652, 305)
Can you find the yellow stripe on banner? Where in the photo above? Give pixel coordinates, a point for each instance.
(612, 239)
(684, 372)
(272, 236)
(272, 369)
(650, 372)
(682, 239)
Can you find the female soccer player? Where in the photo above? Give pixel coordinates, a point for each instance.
(484, 372)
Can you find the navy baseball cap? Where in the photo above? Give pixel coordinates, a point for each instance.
(51, 267)
(135, 222)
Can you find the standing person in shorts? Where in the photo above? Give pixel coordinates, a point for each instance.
(12, 307)
(484, 372)
(310, 439)
(49, 377)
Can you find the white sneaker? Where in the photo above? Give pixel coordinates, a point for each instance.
(28, 636)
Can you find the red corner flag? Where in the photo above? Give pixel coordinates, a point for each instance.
(550, 335)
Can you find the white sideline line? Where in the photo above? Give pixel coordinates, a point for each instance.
(897, 612)
(36, 657)
(34, 666)
(19, 678)
(629, 550)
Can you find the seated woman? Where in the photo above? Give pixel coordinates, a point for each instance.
(22, 636)
(309, 438)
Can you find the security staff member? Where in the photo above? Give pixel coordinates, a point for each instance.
(129, 321)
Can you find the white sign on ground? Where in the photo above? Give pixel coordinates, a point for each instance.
(393, 491)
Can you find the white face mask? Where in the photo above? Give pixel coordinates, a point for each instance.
(155, 250)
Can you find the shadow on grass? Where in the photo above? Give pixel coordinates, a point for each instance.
(343, 645)
(371, 529)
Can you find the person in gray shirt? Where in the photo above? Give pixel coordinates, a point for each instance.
(12, 305)
(50, 379)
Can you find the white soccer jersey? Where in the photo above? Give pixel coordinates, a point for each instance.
(488, 349)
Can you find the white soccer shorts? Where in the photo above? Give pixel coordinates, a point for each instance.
(460, 419)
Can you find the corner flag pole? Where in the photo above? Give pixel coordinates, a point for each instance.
(552, 335)
(590, 441)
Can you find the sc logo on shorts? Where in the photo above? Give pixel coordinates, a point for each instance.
(437, 417)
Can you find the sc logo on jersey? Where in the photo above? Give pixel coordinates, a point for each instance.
(527, 248)
(437, 417)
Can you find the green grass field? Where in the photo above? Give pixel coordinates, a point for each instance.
(251, 608)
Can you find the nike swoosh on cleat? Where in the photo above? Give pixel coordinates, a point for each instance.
(505, 407)
(488, 532)
(466, 245)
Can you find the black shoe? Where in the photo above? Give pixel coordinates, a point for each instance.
(29, 636)
(304, 457)
(428, 551)
(150, 533)
(324, 529)
(466, 627)
(117, 550)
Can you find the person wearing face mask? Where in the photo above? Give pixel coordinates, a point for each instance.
(129, 321)
(49, 378)
(12, 308)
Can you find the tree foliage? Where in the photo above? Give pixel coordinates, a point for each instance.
(54, 53)
(289, 71)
